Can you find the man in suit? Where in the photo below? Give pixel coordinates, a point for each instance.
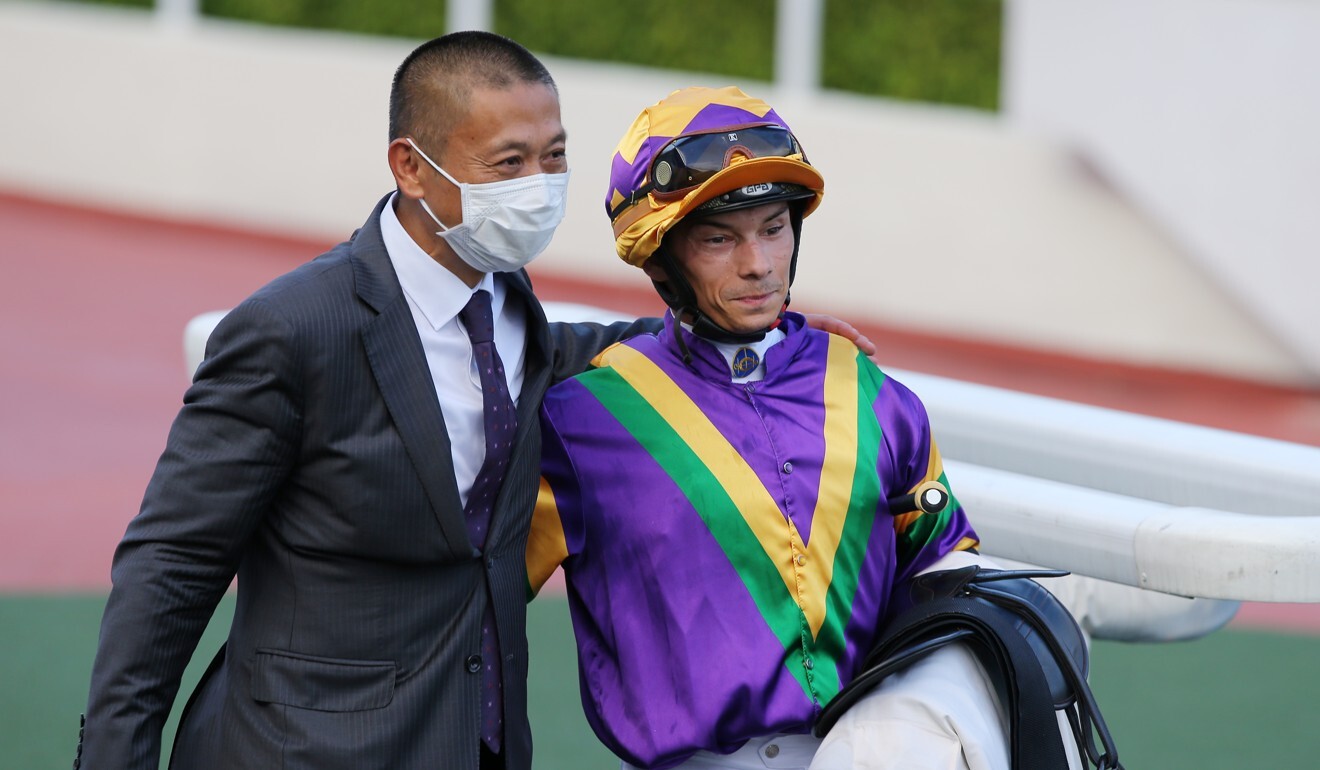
(347, 450)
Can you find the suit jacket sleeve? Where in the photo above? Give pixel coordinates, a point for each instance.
(576, 344)
(228, 452)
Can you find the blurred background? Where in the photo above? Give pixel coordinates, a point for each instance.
(1108, 201)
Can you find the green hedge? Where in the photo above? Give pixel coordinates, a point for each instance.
(401, 18)
(945, 51)
(128, 3)
(688, 34)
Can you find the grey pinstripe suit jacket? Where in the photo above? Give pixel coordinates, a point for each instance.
(310, 458)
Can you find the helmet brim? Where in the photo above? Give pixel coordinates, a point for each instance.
(752, 172)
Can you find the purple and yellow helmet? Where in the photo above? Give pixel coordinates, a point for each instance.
(702, 149)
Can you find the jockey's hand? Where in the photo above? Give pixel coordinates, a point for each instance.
(828, 323)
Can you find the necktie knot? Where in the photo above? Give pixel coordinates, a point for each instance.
(477, 318)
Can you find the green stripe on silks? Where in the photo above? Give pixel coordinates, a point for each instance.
(857, 527)
(716, 509)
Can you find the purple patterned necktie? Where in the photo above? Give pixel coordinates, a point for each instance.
(500, 422)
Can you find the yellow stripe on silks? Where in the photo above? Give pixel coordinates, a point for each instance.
(934, 465)
(904, 520)
(740, 482)
(773, 530)
(834, 495)
(546, 546)
(599, 360)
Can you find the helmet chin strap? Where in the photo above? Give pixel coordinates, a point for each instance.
(704, 327)
(678, 294)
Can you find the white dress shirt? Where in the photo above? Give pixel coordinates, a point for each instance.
(435, 296)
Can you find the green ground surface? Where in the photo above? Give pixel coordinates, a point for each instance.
(1238, 699)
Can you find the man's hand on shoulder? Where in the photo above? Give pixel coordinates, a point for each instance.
(828, 323)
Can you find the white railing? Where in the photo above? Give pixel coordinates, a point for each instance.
(1177, 550)
(1129, 454)
(1138, 500)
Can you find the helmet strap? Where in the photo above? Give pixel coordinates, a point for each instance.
(678, 294)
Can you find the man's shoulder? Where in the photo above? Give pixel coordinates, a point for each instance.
(305, 300)
(832, 350)
(329, 275)
(817, 343)
(605, 367)
(600, 368)
(333, 270)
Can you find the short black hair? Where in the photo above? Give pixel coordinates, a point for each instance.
(430, 92)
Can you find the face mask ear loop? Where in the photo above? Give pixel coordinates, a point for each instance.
(432, 163)
(434, 218)
(442, 173)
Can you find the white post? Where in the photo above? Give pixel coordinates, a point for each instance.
(469, 14)
(799, 29)
(178, 14)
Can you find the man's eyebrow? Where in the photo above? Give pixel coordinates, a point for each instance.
(777, 213)
(716, 222)
(712, 223)
(521, 146)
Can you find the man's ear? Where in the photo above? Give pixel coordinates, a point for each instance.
(405, 164)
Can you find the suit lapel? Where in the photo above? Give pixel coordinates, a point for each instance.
(537, 370)
(526, 456)
(399, 365)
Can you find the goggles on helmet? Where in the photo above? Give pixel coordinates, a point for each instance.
(689, 161)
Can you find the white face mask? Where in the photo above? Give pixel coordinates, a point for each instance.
(505, 224)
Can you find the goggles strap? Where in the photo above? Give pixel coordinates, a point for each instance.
(639, 194)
